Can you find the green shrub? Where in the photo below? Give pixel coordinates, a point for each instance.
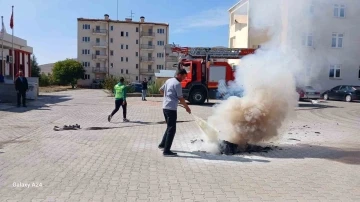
(154, 87)
(45, 80)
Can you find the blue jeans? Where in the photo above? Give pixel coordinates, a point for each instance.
(143, 94)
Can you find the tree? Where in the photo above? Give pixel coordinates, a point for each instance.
(67, 72)
(35, 69)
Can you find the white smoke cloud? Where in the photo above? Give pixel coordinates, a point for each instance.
(269, 77)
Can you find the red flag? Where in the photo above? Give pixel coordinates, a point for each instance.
(12, 19)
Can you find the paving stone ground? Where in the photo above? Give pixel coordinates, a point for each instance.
(121, 161)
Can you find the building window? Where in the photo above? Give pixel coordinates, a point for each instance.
(337, 40)
(86, 64)
(122, 59)
(86, 76)
(86, 39)
(121, 33)
(112, 65)
(86, 26)
(127, 34)
(149, 67)
(127, 59)
(339, 11)
(307, 40)
(137, 66)
(122, 71)
(160, 43)
(159, 66)
(335, 71)
(136, 54)
(127, 46)
(137, 78)
(111, 40)
(137, 41)
(111, 52)
(111, 28)
(122, 46)
(160, 55)
(359, 73)
(137, 29)
(85, 52)
(127, 71)
(161, 31)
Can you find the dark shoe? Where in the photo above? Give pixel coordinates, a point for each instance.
(24, 106)
(126, 120)
(161, 147)
(145, 99)
(169, 153)
(109, 118)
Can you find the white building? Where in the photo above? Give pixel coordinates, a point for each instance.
(132, 49)
(325, 32)
(20, 56)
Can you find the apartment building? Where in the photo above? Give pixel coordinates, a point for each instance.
(132, 49)
(323, 32)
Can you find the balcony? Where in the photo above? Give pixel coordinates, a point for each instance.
(99, 70)
(99, 57)
(147, 47)
(100, 45)
(100, 31)
(147, 59)
(147, 71)
(147, 34)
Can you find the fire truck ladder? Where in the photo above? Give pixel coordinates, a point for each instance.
(215, 53)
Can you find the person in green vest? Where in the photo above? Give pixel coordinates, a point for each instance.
(120, 100)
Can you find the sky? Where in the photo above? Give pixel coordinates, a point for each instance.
(50, 26)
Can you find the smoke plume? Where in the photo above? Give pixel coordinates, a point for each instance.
(267, 77)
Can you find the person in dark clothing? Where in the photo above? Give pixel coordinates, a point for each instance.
(21, 86)
(120, 100)
(172, 92)
(144, 89)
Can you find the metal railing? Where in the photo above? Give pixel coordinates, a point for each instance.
(99, 70)
(147, 59)
(100, 31)
(100, 44)
(149, 71)
(151, 34)
(147, 46)
(100, 56)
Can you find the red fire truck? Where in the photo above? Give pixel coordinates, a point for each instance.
(205, 67)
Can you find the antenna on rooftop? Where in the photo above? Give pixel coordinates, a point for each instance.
(131, 15)
(117, 9)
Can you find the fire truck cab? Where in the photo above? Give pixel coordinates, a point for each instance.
(205, 68)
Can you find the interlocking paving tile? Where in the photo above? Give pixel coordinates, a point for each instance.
(121, 161)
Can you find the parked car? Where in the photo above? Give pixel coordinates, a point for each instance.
(308, 92)
(343, 92)
(137, 86)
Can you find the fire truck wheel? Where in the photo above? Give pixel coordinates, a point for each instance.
(197, 96)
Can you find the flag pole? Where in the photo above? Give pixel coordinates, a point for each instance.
(2, 46)
(12, 44)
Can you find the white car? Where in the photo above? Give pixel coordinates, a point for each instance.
(308, 92)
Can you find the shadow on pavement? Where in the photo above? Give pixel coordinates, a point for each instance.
(302, 151)
(212, 157)
(151, 123)
(139, 123)
(310, 106)
(40, 104)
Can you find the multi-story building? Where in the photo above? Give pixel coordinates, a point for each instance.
(134, 50)
(323, 33)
